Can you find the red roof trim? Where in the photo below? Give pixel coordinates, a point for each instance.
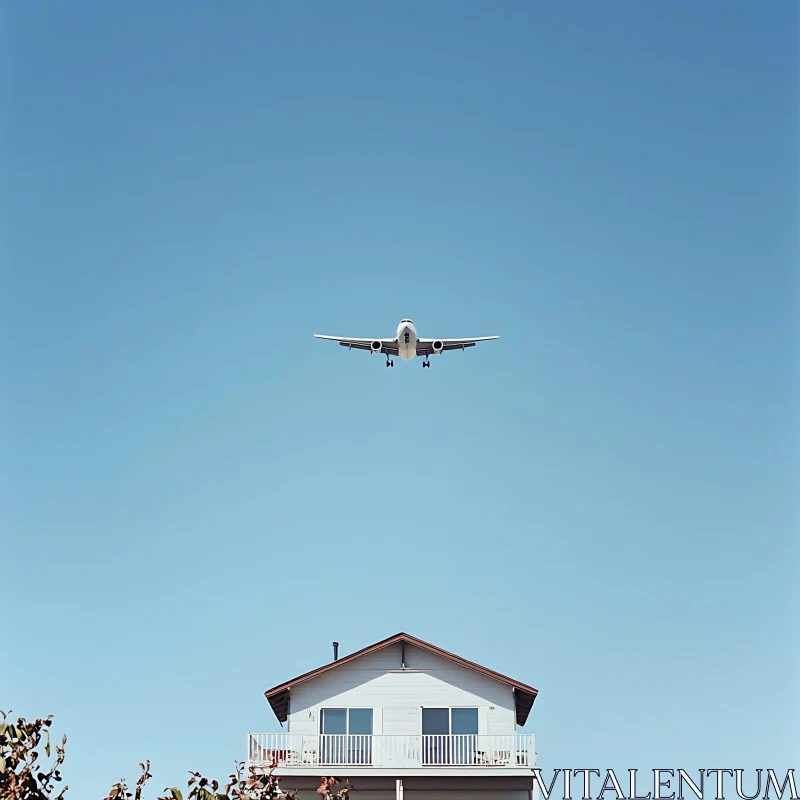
(524, 694)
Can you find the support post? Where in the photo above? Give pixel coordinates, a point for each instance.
(399, 789)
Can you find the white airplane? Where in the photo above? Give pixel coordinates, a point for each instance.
(407, 344)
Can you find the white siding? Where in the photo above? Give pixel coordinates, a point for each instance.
(375, 681)
(402, 719)
(501, 720)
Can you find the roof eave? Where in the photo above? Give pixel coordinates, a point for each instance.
(525, 695)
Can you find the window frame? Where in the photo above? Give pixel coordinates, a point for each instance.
(347, 710)
(450, 720)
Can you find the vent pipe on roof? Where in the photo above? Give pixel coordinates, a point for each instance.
(336, 651)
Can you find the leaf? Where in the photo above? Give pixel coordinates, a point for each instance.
(176, 793)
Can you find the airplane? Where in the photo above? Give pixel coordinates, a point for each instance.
(407, 344)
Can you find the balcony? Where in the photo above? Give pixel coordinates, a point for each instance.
(300, 753)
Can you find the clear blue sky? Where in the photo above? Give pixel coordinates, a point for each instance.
(196, 497)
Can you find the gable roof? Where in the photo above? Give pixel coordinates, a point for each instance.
(524, 695)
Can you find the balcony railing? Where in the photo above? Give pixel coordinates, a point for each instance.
(398, 752)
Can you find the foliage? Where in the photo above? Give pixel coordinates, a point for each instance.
(326, 788)
(23, 778)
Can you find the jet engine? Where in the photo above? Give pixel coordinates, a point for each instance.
(438, 346)
(376, 346)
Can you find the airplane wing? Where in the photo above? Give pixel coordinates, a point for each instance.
(425, 346)
(387, 345)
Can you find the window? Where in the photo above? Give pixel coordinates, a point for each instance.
(346, 736)
(463, 720)
(334, 721)
(449, 735)
(360, 722)
(435, 721)
(354, 721)
(449, 721)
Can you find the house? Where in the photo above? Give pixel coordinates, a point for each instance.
(402, 717)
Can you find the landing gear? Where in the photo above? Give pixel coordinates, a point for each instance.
(388, 362)
(426, 363)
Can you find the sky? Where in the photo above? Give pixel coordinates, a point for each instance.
(197, 497)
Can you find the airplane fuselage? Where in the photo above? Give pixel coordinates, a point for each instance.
(407, 340)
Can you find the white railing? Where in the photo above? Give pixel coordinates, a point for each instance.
(400, 752)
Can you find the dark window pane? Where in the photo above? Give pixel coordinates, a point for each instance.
(361, 721)
(465, 720)
(435, 721)
(334, 720)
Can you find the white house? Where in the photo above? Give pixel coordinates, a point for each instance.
(402, 717)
